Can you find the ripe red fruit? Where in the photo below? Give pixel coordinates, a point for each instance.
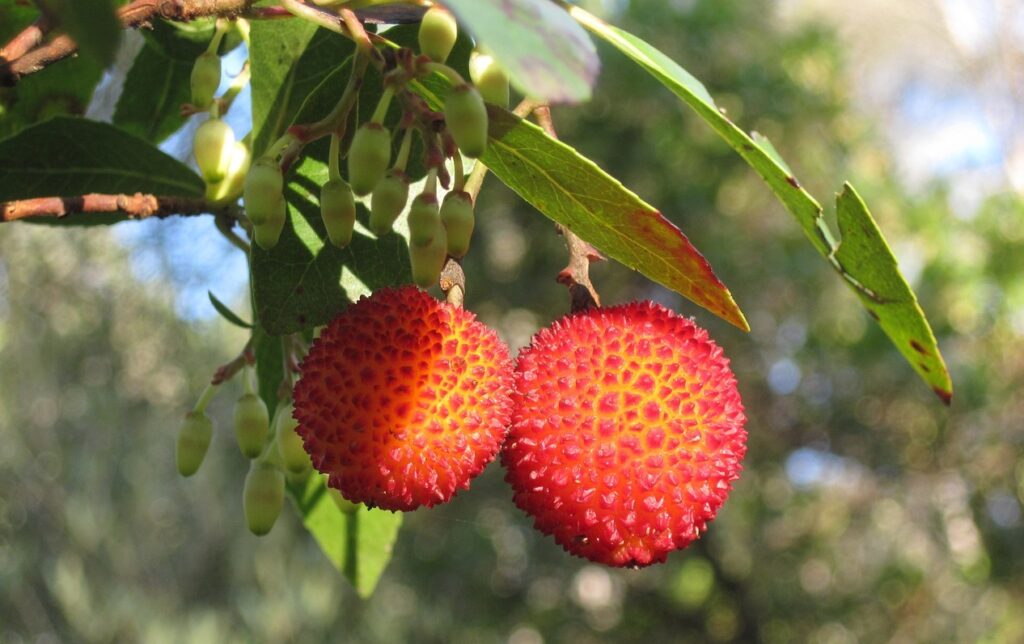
(404, 399)
(627, 433)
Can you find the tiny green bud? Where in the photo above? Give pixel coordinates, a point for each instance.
(466, 117)
(489, 78)
(205, 79)
(252, 424)
(424, 219)
(438, 33)
(338, 210)
(231, 186)
(343, 504)
(289, 443)
(264, 184)
(268, 233)
(262, 497)
(213, 145)
(427, 260)
(457, 216)
(388, 202)
(368, 157)
(193, 441)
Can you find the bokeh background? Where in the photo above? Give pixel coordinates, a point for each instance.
(868, 511)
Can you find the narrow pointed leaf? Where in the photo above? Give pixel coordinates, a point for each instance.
(226, 312)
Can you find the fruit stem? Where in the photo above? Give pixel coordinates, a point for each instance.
(475, 181)
(459, 171)
(247, 379)
(383, 105)
(219, 30)
(333, 172)
(224, 226)
(403, 151)
(430, 187)
(205, 398)
(236, 87)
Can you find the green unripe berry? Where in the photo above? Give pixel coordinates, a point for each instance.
(343, 504)
(231, 186)
(368, 157)
(252, 424)
(427, 260)
(489, 78)
(205, 79)
(458, 220)
(388, 202)
(438, 33)
(466, 117)
(268, 233)
(193, 441)
(262, 497)
(338, 210)
(264, 185)
(424, 219)
(213, 145)
(289, 443)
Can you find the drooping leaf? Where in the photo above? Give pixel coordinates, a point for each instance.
(289, 59)
(885, 293)
(572, 190)
(66, 157)
(358, 544)
(159, 81)
(226, 312)
(899, 322)
(546, 54)
(93, 24)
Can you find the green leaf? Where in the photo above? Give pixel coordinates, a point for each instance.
(546, 54)
(864, 253)
(289, 59)
(66, 157)
(305, 281)
(159, 82)
(269, 366)
(899, 322)
(94, 26)
(358, 544)
(572, 190)
(227, 313)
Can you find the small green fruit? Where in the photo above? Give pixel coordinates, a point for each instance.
(368, 157)
(338, 210)
(264, 185)
(438, 33)
(458, 220)
(343, 504)
(205, 79)
(231, 186)
(252, 424)
(489, 78)
(268, 233)
(466, 117)
(262, 497)
(424, 219)
(289, 443)
(213, 145)
(388, 202)
(193, 441)
(428, 259)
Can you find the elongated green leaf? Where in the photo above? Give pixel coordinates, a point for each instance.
(289, 60)
(65, 157)
(269, 366)
(886, 295)
(159, 82)
(546, 54)
(226, 312)
(865, 277)
(570, 189)
(358, 544)
(93, 24)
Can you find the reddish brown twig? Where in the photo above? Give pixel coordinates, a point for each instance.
(136, 206)
(575, 276)
(227, 371)
(25, 41)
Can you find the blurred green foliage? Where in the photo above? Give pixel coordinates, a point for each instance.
(867, 512)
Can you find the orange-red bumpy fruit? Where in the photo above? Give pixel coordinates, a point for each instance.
(404, 399)
(627, 433)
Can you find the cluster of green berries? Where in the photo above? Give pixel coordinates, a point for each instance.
(273, 446)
